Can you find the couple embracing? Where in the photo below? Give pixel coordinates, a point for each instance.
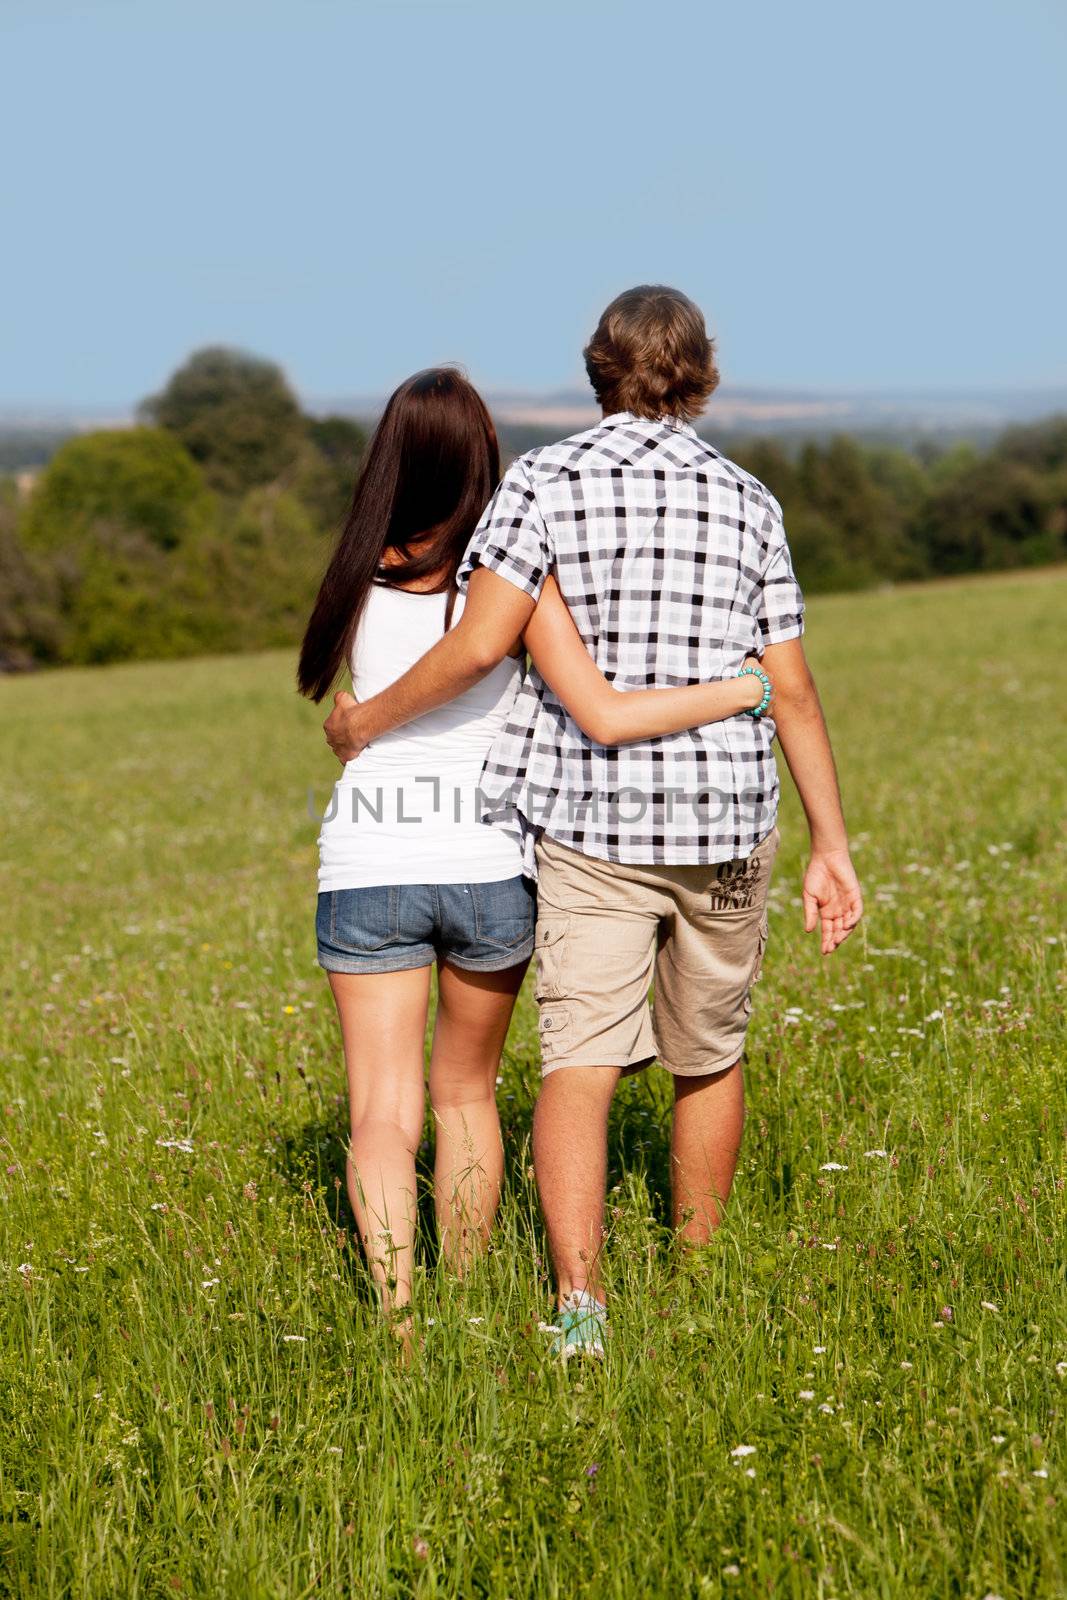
(561, 747)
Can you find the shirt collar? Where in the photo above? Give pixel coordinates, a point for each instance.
(675, 424)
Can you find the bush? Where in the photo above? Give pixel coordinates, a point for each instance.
(29, 621)
(139, 480)
(273, 555)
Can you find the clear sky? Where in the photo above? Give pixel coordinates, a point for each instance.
(858, 195)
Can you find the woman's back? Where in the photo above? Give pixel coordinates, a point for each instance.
(397, 627)
(405, 811)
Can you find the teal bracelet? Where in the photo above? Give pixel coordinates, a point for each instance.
(754, 672)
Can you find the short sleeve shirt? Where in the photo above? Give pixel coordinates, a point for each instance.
(674, 564)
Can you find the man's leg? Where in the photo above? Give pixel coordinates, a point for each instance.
(570, 1141)
(597, 925)
(705, 970)
(709, 1116)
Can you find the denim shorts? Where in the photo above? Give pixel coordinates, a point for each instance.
(481, 927)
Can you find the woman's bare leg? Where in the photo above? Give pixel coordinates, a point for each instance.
(473, 1013)
(383, 1026)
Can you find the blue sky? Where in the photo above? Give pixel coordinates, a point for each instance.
(858, 196)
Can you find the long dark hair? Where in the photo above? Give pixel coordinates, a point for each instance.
(426, 478)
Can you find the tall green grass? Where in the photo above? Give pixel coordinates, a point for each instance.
(197, 1396)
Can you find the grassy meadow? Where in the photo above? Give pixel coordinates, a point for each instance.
(858, 1390)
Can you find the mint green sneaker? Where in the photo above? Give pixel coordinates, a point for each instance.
(582, 1324)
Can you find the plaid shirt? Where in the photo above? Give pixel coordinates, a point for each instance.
(674, 565)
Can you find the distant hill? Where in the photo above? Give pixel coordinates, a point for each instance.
(29, 435)
(902, 417)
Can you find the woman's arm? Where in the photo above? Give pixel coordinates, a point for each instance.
(616, 716)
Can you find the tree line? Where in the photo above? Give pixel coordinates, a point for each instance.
(206, 527)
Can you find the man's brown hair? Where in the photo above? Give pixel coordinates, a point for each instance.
(651, 355)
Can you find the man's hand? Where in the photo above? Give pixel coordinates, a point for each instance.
(342, 727)
(832, 896)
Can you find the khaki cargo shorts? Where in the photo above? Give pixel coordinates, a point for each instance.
(606, 930)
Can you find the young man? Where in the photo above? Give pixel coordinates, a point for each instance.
(653, 859)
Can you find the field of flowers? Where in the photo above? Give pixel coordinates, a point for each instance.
(858, 1390)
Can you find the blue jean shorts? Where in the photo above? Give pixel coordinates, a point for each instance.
(481, 927)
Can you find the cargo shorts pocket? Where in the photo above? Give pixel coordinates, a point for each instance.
(550, 942)
(757, 965)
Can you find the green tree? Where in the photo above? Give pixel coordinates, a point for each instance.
(821, 559)
(339, 439)
(29, 622)
(326, 473)
(141, 480)
(768, 461)
(275, 557)
(1041, 445)
(235, 414)
(996, 514)
(836, 483)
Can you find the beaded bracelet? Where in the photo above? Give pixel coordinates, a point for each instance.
(754, 672)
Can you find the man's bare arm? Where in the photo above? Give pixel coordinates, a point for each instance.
(493, 619)
(832, 895)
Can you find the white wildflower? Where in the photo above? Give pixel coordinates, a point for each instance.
(741, 1450)
(987, 1305)
(999, 1438)
(293, 1338)
(832, 1166)
(806, 1394)
(871, 1153)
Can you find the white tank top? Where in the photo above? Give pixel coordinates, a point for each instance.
(405, 811)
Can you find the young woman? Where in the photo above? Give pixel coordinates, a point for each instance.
(408, 875)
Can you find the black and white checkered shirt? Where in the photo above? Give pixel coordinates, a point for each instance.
(674, 565)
